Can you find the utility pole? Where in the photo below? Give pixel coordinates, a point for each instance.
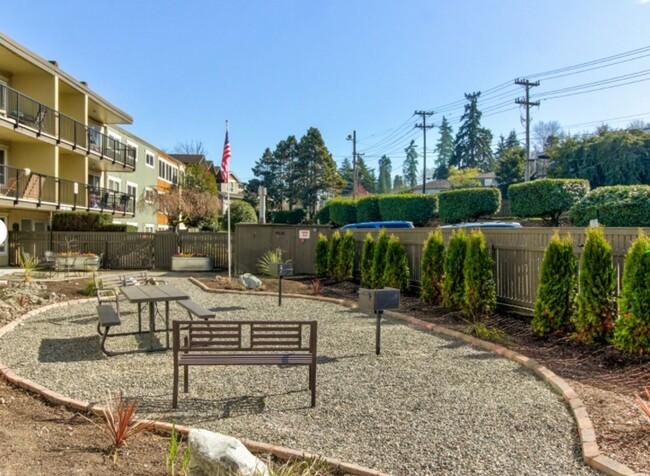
(527, 103)
(355, 179)
(424, 128)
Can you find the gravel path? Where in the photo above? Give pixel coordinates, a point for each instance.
(427, 405)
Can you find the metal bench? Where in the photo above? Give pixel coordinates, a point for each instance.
(195, 309)
(108, 317)
(243, 343)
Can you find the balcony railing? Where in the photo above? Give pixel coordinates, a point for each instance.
(24, 186)
(29, 113)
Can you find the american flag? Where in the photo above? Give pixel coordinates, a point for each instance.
(225, 158)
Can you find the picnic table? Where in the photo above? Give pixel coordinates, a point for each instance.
(154, 294)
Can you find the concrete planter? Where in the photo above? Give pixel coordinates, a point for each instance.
(192, 263)
(77, 262)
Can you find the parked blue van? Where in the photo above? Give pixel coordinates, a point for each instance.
(378, 224)
(485, 224)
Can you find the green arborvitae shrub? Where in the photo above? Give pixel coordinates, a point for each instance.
(418, 208)
(594, 319)
(632, 328)
(367, 254)
(557, 288)
(345, 264)
(620, 205)
(379, 260)
(242, 212)
(546, 198)
(333, 257)
(468, 204)
(453, 283)
(322, 216)
(480, 289)
(433, 262)
(322, 255)
(396, 272)
(342, 211)
(368, 208)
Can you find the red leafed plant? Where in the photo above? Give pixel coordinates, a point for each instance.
(645, 406)
(120, 421)
(316, 287)
(22, 300)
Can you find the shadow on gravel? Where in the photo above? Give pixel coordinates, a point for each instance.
(76, 349)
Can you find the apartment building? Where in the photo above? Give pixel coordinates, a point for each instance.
(57, 148)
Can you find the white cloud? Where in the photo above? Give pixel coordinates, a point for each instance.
(642, 1)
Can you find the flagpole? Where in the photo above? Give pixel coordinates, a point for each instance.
(228, 195)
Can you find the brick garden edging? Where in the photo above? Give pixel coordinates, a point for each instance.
(159, 426)
(590, 451)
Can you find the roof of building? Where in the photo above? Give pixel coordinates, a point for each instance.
(189, 158)
(438, 184)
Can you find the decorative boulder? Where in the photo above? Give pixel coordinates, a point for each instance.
(250, 282)
(214, 454)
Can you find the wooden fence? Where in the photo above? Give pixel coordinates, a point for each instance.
(122, 250)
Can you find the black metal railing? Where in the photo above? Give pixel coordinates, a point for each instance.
(23, 185)
(27, 112)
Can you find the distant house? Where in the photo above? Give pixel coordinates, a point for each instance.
(487, 179)
(432, 187)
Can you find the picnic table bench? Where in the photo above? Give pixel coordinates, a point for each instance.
(243, 343)
(193, 308)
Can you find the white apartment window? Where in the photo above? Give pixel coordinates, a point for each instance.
(167, 171)
(132, 189)
(149, 159)
(149, 195)
(148, 228)
(135, 149)
(114, 184)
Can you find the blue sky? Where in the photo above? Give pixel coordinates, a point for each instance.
(278, 67)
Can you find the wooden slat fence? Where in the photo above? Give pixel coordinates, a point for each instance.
(122, 250)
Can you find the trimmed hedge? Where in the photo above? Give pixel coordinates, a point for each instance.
(342, 211)
(418, 208)
(546, 198)
(322, 216)
(289, 217)
(468, 204)
(242, 212)
(82, 221)
(620, 205)
(368, 208)
(632, 328)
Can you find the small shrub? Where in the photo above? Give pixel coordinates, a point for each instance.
(480, 291)
(557, 288)
(80, 221)
(594, 319)
(453, 283)
(270, 256)
(367, 254)
(433, 262)
(396, 273)
(620, 205)
(632, 327)
(418, 208)
(342, 211)
(333, 258)
(468, 204)
(174, 452)
(368, 208)
(27, 263)
(322, 255)
(546, 198)
(241, 212)
(645, 406)
(345, 263)
(316, 287)
(379, 260)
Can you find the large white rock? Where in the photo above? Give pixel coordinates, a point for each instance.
(250, 282)
(214, 454)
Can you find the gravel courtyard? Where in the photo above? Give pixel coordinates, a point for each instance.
(426, 405)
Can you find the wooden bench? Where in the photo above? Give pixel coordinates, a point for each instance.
(109, 316)
(195, 309)
(243, 343)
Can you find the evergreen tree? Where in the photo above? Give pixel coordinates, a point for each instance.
(385, 170)
(396, 273)
(480, 290)
(410, 167)
(444, 149)
(510, 169)
(398, 183)
(315, 171)
(367, 255)
(433, 261)
(512, 141)
(472, 147)
(453, 283)
(594, 320)
(557, 287)
(366, 176)
(333, 255)
(632, 329)
(347, 175)
(322, 255)
(345, 264)
(268, 172)
(379, 259)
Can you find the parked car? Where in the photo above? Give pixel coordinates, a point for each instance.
(378, 224)
(484, 224)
